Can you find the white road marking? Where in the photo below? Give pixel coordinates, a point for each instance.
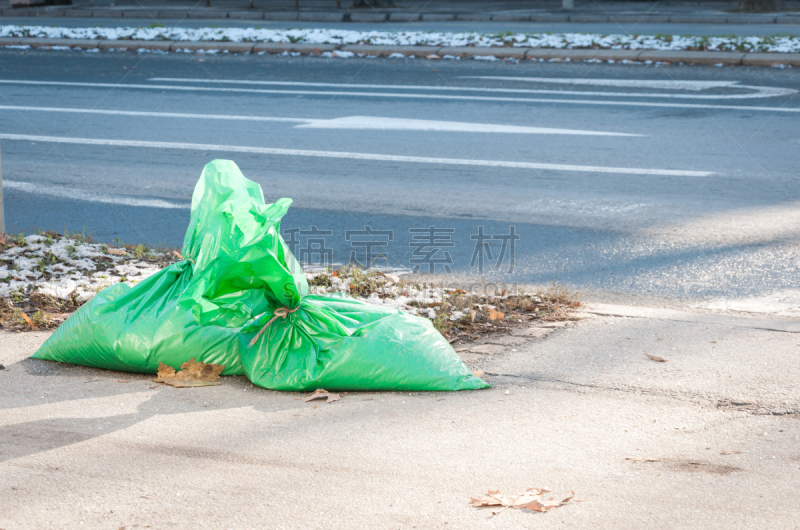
(152, 114)
(668, 84)
(341, 93)
(758, 91)
(354, 156)
(349, 122)
(403, 124)
(79, 195)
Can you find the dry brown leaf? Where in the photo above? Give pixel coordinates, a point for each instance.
(547, 505)
(726, 453)
(165, 371)
(493, 498)
(496, 315)
(117, 252)
(322, 394)
(28, 320)
(530, 499)
(192, 374)
(472, 314)
(656, 358)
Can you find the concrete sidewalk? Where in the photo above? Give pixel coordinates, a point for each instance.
(707, 439)
(417, 11)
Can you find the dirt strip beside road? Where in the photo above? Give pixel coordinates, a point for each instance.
(430, 52)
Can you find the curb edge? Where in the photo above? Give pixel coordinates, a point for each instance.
(542, 54)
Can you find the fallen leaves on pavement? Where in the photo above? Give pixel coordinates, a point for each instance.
(530, 499)
(322, 394)
(192, 374)
(656, 358)
(496, 315)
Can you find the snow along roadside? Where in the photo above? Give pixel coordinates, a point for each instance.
(775, 44)
(73, 270)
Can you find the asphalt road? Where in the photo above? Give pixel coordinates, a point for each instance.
(689, 192)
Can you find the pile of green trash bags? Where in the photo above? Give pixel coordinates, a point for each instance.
(237, 276)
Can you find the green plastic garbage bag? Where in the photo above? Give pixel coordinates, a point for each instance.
(240, 299)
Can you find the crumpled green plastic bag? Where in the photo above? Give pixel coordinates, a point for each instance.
(237, 273)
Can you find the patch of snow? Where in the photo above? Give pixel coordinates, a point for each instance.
(776, 44)
(66, 268)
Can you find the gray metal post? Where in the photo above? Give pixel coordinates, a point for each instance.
(2, 210)
(568, 5)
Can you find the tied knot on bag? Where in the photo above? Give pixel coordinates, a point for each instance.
(180, 257)
(281, 312)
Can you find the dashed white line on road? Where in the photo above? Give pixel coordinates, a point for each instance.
(348, 122)
(455, 97)
(354, 156)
